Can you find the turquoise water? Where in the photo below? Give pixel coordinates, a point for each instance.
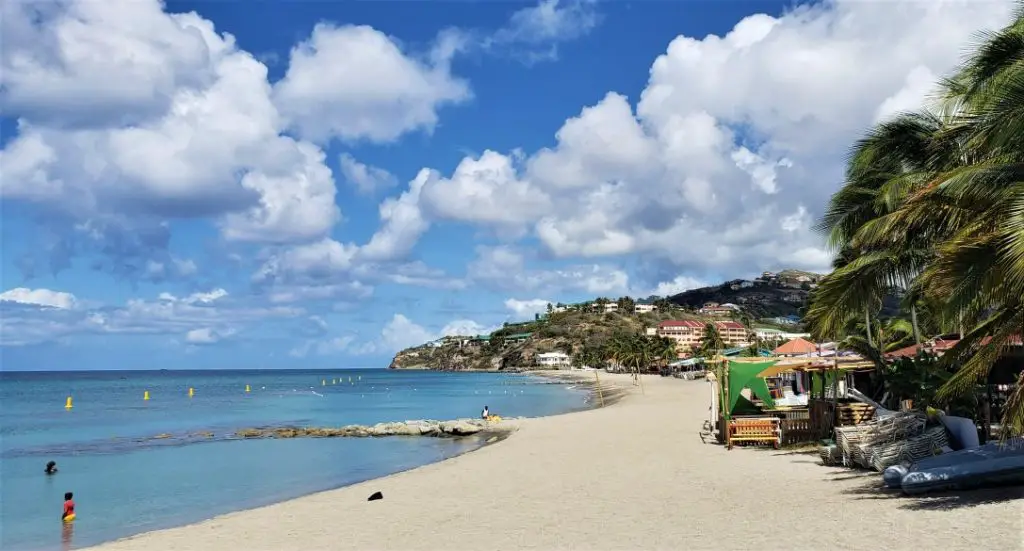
(126, 481)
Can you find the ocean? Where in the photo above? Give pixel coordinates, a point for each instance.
(137, 465)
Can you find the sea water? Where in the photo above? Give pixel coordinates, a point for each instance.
(137, 465)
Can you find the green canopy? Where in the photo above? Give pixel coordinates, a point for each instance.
(744, 375)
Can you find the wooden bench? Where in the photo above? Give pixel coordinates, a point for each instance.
(759, 430)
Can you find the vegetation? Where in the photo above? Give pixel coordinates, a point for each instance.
(588, 335)
(933, 206)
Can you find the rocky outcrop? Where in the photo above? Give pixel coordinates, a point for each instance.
(440, 429)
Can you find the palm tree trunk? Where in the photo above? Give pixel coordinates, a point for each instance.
(867, 324)
(913, 321)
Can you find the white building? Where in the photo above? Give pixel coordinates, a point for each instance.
(611, 306)
(767, 334)
(644, 308)
(553, 360)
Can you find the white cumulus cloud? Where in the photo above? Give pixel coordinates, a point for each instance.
(39, 297)
(354, 82)
(526, 308)
(733, 148)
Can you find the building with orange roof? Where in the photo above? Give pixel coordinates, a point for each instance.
(797, 347)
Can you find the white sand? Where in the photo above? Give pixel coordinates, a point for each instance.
(634, 475)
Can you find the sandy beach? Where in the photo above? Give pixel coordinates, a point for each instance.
(633, 475)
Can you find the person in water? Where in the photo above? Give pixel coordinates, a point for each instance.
(69, 507)
(485, 413)
(51, 468)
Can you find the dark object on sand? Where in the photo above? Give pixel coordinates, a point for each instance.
(376, 496)
(51, 468)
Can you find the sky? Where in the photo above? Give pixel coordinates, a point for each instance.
(317, 184)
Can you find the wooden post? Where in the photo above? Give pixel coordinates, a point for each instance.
(600, 393)
(726, 410)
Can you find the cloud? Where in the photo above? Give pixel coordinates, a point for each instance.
(677, 285)
(200, 317)
(532, 34)
(326, 347)
(367, 179)
(400, 332)
(184, 127)
(505, 268)
(206, 335)
(526, 308)
(39, 297)
(732, 150)
(401, 225)
(355, 83)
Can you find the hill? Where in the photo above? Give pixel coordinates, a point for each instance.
(771, 295)
(583, 330)
(516, 346)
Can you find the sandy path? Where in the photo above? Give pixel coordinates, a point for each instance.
(631, 476)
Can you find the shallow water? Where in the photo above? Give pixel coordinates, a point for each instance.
(126, 482)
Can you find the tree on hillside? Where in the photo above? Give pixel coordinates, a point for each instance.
(933, 204)
(626, 304)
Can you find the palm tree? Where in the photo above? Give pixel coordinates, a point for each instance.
(712, 344)
(893, 334)
(933, 203)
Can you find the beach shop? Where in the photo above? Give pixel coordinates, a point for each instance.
(776, 401)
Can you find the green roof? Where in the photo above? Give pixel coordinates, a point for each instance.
(518, 336)
(481, 338)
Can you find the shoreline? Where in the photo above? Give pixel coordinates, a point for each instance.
(632, 476)
(477, 442)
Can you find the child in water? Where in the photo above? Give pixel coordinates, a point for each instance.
(51, 468)
(69, 507)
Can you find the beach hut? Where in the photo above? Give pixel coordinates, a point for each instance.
(797, 347)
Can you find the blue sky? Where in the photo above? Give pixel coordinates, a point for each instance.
(319, 184)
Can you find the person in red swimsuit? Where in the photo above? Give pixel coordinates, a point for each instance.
(69, 507)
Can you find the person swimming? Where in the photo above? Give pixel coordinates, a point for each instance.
(51, 468)
(69, 507)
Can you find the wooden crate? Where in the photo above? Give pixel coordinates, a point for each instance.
(853, 414)
(755, 430)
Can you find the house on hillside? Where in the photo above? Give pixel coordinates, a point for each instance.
(516, 338)
(644, 307)
(553, 360)
(717, 310)
(610, 307)
(767, 334)
(786, 320)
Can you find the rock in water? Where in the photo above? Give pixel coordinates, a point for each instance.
(376, 496)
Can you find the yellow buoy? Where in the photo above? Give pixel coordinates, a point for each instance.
(247, 388)
(145, 395)
(334, 382)
(191, 392)
(323, 382)
(68, 404)
(350, 379)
